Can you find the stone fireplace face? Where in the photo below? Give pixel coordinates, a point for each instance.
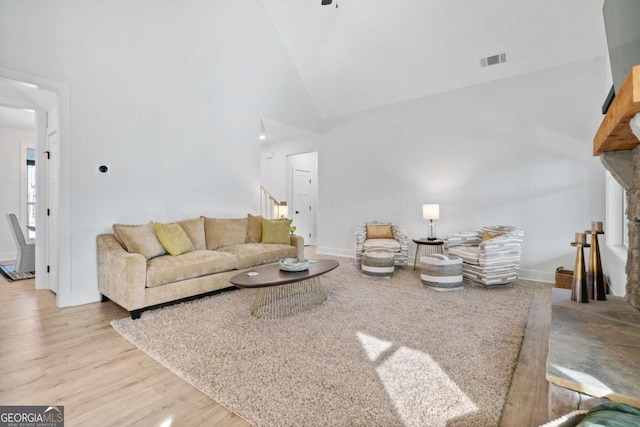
(625, 168)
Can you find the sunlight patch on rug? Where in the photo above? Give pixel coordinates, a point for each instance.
(407, 375)
(373, 346)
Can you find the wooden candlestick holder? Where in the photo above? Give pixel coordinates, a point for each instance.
(579, 291)
(595, 276)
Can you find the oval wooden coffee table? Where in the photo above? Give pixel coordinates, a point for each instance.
(284, 293)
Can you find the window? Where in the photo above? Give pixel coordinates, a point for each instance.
(617, 234)
(31, 193)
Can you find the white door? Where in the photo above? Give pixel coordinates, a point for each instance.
(301, 203)
(52, 197)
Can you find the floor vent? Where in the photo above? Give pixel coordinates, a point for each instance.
(493, 60)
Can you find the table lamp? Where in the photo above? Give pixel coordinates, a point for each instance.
(431, 212)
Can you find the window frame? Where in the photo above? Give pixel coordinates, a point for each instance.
(24, 183)
(617, 230)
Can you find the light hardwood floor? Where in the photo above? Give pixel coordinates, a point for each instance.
(73, 357)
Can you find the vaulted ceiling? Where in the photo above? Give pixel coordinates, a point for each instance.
(358, 54)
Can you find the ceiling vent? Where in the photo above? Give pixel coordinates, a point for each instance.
(493, 60)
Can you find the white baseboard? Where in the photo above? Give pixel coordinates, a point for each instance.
(79, 298)
(321, 250)
(538, 276)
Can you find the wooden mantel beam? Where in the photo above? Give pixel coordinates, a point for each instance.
(615, 133)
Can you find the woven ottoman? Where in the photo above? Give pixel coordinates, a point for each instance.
(378, 262)
(441, 272)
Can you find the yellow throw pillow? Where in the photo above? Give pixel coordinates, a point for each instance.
(488, 235)
(173, 238)
(379, 231)
(276, 231)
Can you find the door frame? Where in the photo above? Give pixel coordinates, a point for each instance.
(294, 209)
(306, 161)
(30, 85)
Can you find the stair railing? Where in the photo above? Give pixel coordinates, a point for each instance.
(270, 207)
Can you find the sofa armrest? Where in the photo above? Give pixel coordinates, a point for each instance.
(122, 276)
(298, 242)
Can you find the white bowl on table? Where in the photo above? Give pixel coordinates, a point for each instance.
(294, 264)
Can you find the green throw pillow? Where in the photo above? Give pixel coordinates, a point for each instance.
(276, 231)
(173, 238)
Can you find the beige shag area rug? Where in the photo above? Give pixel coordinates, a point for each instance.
(378, 352)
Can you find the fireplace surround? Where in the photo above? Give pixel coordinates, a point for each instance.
(624, 166)
(616, 142)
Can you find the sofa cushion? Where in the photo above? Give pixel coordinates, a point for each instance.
(469, 254)
(139, 239)
(276, 231)
(195, 230)
(252, 254)
(220, 232)
(390, 244)
(254, 229)
(168, 269)
(173, 238)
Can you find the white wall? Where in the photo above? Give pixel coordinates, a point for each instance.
(273, 169)
(167, 95)
(11, 168)
(515, 152)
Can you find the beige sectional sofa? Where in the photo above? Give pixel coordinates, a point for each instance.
(136, 271)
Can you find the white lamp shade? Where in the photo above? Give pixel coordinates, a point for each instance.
(431, 211)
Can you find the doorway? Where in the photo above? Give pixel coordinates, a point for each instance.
(301, 203)
(42, 96)
(302, 179)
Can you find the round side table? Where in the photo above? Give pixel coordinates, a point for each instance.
(428, 247)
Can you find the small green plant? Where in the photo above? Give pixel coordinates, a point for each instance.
(292, 229)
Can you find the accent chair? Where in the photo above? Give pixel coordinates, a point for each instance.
(26, 256)
(382, 235)
(490, 255)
